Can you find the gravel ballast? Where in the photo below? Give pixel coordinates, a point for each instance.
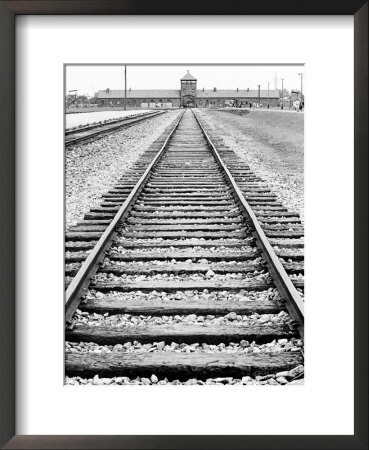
(92, 169)
(218, 279)
(194, 295)
(288, 377)
(196, 248)
(245, 347)
(128, 320)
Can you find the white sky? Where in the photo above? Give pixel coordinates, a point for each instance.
(88, 79)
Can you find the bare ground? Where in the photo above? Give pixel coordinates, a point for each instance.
(272, 144)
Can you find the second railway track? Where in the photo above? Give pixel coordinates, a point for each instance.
(92, 132)
(183, 282)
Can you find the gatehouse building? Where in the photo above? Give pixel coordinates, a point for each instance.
(187, 96)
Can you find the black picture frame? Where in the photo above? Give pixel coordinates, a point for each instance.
(8, 12)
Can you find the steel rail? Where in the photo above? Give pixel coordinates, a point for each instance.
(287, 290)
(78, 286)
(109, 127)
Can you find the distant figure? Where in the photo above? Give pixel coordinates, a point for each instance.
(300, 106)
(296, 105)
(250, 105)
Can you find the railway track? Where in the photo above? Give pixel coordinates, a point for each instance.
(181, 281)
(93, 132)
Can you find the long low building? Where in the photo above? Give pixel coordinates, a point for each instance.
(187, 96)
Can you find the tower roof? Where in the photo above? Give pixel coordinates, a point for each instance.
(188, 76)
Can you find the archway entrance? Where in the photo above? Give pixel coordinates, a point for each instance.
(188, 101)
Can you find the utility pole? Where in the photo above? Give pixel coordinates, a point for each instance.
(258, 95)
(268, 94)
(282, 94)
(301, 75)
(125, 88)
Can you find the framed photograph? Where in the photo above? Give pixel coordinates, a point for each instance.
(184, 224)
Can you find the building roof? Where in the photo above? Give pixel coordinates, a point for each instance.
(233, 93)
(140, 93)
(174, 93)
(188, 77)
